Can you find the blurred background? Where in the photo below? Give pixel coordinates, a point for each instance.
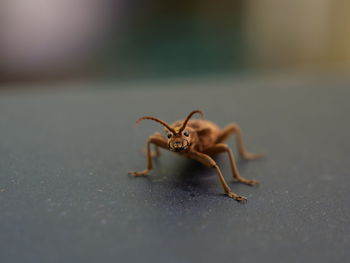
(65, 39)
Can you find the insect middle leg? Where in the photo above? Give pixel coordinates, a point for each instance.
(220, 148)
(243, 153)
(158, 141)
(209, 162)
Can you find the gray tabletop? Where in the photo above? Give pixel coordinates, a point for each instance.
(65, 195)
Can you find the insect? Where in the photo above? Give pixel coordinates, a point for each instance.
(198, 139)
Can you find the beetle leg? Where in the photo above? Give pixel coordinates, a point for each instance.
(156, 151)
(209, 162)
(158, 141)
(220, 148)
(243, 153)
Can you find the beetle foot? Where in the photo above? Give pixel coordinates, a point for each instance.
(252, 156)
(248, 182)
(141, 173)
(237, 197)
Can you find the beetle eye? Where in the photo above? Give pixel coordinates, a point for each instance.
(169, 135)
(186, 133)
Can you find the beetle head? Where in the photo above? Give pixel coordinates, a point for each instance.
(179, 139)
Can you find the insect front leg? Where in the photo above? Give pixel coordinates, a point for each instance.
(209, 162)
(233, 128)
(156, 151)
(220, 148)
(158, 141)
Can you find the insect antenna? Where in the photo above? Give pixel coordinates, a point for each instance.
(157, 120)
(188, 118)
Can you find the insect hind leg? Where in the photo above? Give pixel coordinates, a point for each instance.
(234, 128)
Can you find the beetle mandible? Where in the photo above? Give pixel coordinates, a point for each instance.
(198, 139)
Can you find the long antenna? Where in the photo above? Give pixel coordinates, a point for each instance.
(157, 120)
(188, 118)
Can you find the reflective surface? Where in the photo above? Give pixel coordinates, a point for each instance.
(65, 195)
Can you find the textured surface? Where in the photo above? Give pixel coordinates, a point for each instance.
(65, 195)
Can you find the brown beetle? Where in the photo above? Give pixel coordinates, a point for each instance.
(197, 139)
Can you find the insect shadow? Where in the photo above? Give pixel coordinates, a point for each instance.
(194, 178)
